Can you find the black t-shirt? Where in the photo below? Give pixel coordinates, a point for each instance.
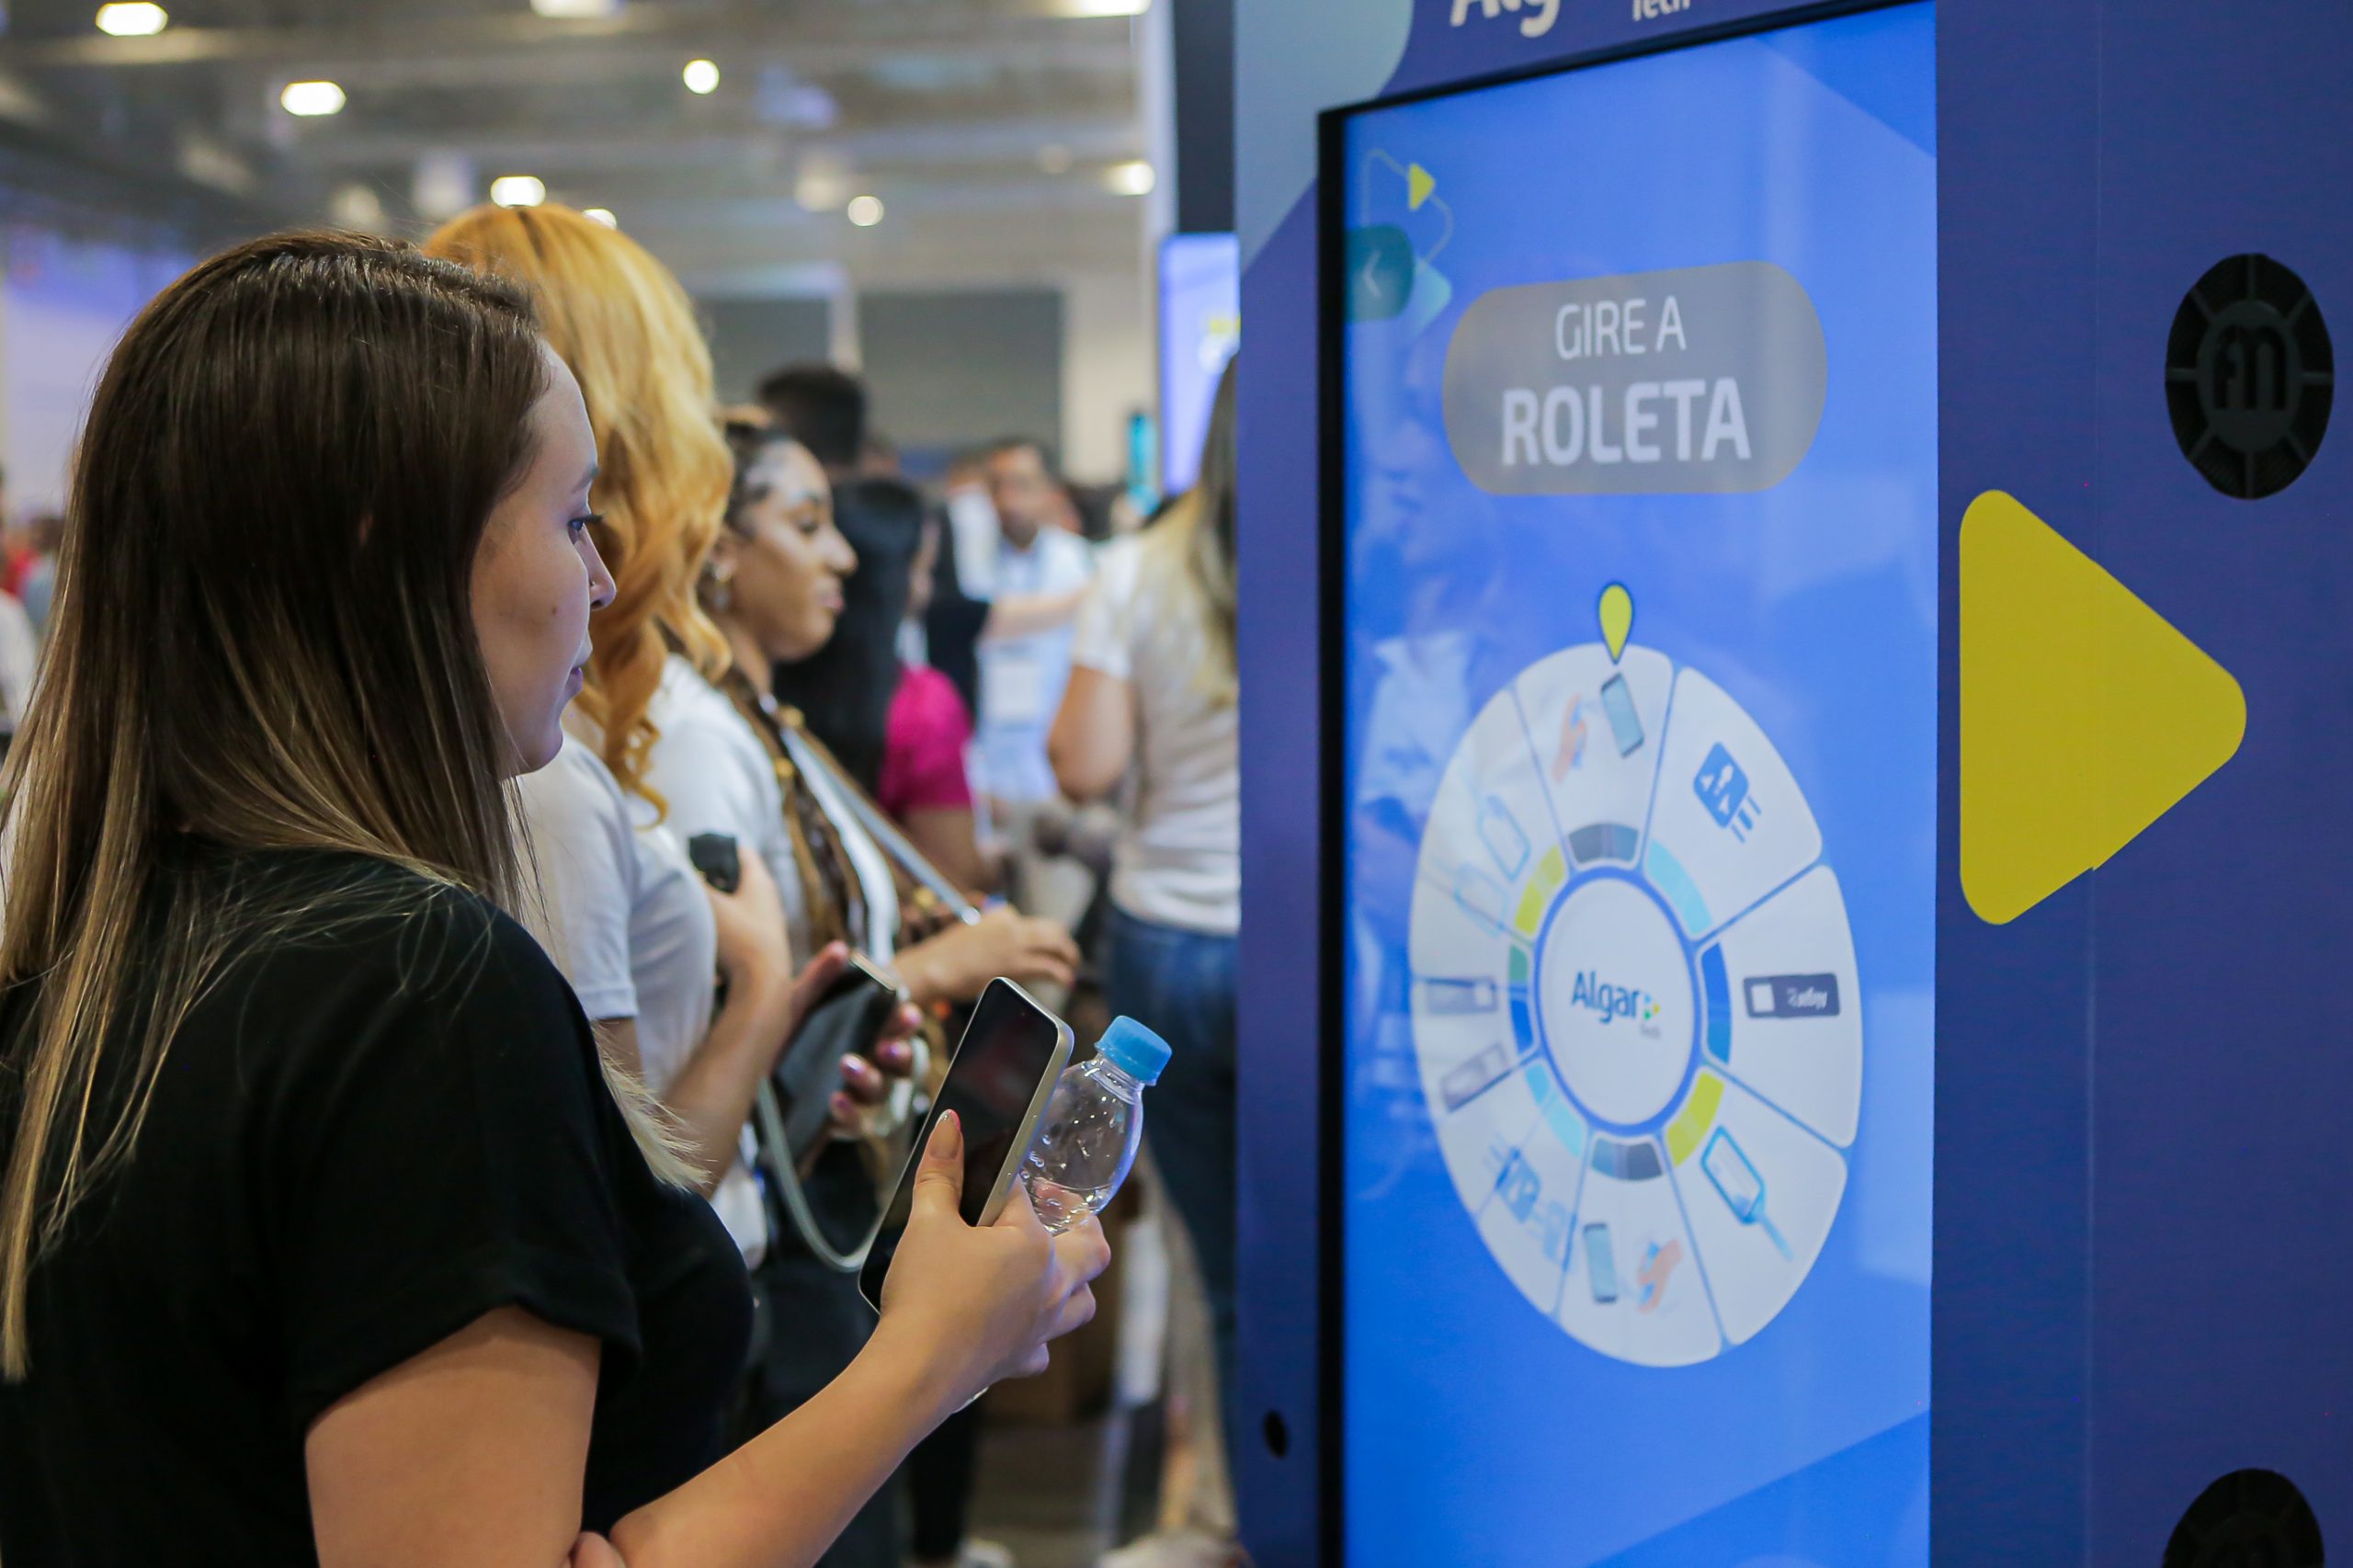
(371, 1131)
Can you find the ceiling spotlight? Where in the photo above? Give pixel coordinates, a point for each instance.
(601, 215)
(865, 210)
(577, 10)
(701, 76)
(1133, 177)
(1054, 158)
(132, 19)
(518, 190)
(312, 98)
(1103, 8)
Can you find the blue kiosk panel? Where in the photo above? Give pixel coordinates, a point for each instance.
(2102, 1365)
(1639, 768)
(1884, 874)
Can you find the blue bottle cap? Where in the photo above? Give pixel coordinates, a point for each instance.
(1133, 1050)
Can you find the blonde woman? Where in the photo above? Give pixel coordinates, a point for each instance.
(621, 321)
(623, 912)
(323, 1238)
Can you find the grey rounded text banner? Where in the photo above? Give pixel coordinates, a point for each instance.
(1696, 379)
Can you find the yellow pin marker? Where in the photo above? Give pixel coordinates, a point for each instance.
(1617, 618)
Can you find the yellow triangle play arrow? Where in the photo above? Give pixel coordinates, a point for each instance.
(1420, 182)
(2083, 716)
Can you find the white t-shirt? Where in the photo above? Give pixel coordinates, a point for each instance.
(1178, 862)
(718, 777)
(624, 916)
(1022, 677)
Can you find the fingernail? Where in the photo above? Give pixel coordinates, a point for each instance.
(948, 1138)
(844, 1109)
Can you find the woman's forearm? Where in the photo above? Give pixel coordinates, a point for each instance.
(712, 1096)
(778, 1501)
(1026, 615)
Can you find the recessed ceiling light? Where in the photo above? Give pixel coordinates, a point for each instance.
(865, 210)
(312, 98)
(518, 190)
(601, 215)
(1103, 8)
(577, 10)
(1133, 177)
(701, 76)
(132, 19)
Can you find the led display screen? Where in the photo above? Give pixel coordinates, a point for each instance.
(1639, 546)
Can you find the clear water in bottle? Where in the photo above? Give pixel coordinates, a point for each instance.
(1092, 1126)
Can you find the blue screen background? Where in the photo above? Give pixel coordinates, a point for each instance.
(1477, 1431)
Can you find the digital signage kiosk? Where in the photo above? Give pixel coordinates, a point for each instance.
(1811, 511)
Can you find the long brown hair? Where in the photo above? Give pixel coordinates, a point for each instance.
(623, 325)
(261, 638)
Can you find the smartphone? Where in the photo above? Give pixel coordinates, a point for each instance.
(1601, 1263)
(1625, 724)
(846, 1020)
(715, 855)
(997, 1084)
(1475, 1077)
(1733, 1176)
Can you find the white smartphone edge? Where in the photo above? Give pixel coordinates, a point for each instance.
(1065, 1042)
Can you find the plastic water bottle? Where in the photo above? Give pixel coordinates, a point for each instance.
(1092, 1126)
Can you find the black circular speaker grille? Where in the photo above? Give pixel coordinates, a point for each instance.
(2250, 1518)
(2249, 377)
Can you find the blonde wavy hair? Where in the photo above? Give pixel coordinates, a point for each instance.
(620, 321)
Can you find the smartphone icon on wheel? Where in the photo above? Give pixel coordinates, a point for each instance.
(1625, 724)
(1601, 1263)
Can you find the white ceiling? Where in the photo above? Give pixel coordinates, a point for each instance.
(989, 128)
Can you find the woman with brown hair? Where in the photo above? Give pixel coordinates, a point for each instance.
(322, 1237)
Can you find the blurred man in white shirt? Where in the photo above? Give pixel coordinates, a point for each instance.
(1039, 573)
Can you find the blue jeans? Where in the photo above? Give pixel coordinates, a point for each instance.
(1180, 983)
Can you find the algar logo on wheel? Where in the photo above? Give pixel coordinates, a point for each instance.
(1614, 1002)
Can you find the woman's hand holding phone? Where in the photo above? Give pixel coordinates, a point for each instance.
(755, 949)
(866, 1079)
(976, 1305)
(755, 958)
